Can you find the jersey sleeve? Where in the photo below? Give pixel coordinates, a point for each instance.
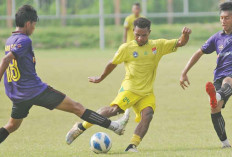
(166, 46)
(209, 46)
(126, 23)
(120, 56)
(21, 47)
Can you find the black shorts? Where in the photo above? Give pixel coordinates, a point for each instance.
(49, 98)
(218, 84)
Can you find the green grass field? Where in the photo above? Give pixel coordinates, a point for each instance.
(181, 125)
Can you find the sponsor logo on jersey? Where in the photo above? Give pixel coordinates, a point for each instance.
(220, 47)
(154, 50)
(135, 54)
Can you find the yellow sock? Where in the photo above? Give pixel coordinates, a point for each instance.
(136, 140)
(86, 125)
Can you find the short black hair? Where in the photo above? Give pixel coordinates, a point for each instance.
(142, 23)
(226, 6)
(24, 14)
(137, 4)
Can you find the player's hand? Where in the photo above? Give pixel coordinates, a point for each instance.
(184, 82)
(95, 79)
(186, 31)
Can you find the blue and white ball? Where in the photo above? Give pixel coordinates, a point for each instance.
(100, 143)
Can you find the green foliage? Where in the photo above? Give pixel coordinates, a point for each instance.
(81, 7)
(83, 36)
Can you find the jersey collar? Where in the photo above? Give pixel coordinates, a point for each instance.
(142, 45)
(224, 33)
(18, 32)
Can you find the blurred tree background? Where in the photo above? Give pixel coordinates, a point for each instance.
(91, 7)
(75, 23)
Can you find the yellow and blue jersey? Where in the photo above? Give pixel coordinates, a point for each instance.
(141, 63)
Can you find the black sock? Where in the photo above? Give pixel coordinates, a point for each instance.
(219, 125)
(80, 126)
(3, 134)
(95, 118)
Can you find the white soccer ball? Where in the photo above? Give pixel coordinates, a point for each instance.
(100, 143)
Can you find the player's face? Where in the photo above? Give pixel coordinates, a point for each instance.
(30, 27)
(141, 35)
(226, 21)
(136, 10)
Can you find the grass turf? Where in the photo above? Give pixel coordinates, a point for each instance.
(181, 125)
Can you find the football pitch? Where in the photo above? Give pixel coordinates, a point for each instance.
(181, 126)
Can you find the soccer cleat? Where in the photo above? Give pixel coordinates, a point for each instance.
(122, 122)
(226, 144)
(131, 148)
(73, 133)
(210, 89)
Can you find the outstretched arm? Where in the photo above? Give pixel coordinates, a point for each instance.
(184, 78)
(108, 69)
(184, 37)
(5, 63)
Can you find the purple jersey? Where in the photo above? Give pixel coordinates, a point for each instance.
(222, 44)
(20, 79)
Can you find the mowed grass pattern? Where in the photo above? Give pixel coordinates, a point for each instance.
(181, 125)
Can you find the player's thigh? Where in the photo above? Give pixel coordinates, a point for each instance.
(70, 105)
(147, 102)
(125, 100)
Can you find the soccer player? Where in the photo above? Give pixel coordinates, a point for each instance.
(25, 88)
(141, 57)
(219, 91)
(128, 23)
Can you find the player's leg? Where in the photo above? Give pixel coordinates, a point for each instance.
(141, 129)
(107, 111)
(223, 93)
(53, 99)
(123, 101)
(144, 110)
(11, 126)
(69, 105)
(18, 113)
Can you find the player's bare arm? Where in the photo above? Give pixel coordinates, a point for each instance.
(184, 81)
(108, 69)
(5, 63)
(184, 37)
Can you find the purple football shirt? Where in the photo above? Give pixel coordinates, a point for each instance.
(20, 79)
(222, 44)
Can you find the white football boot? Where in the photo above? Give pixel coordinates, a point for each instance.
(122, 122)
(226, 144)
(73, 133)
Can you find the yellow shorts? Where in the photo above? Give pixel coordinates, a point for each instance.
(127, 99)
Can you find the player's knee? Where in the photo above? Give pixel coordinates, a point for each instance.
(215, 110)
(115, 109)
(148, 116)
